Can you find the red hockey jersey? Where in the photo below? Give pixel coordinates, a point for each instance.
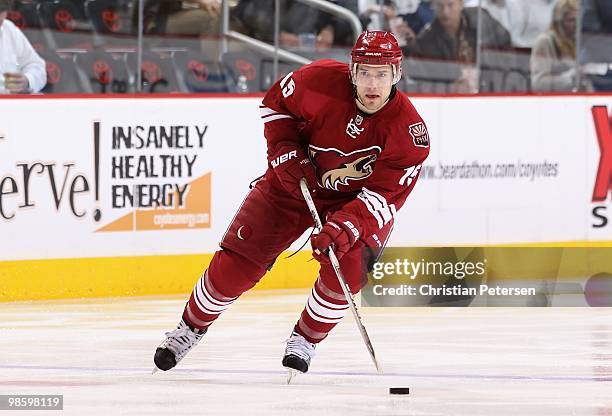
(370, 162)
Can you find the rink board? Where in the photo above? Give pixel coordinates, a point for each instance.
(126, 196)
(130, 276)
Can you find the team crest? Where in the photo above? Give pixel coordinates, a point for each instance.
(352, 127)
(336, 168)
(419, 134)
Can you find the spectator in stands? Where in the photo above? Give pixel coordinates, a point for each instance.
(405, 21)
(22, 70)
(385, 17)
(597, 16)
(603, 15)
(452, 36)
(176, 17)
(341, 32)
(376, 14)
(296, 19)
(422, 16)
(512, 14)
(595, 52)
(596, 31)
(524, 19)
(553, 58)
(538, 17)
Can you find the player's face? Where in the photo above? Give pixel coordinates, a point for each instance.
(373, 84)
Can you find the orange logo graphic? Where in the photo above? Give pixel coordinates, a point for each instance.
(194, 214)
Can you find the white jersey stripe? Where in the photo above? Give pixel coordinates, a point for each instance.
(215, 293)
(201, 307)
(378, 206)
(324, 290)
(377, 197)
(207, 302)
(275, 117)
(213, 299)
(327, 304)
(197, 321)
(318, 318)
(363, 198)
(266, 111)
(325, 312)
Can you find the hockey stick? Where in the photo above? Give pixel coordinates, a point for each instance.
(336, 266)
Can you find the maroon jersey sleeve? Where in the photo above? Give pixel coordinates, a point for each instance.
(281, 112)
(295, 99)
(395, 175)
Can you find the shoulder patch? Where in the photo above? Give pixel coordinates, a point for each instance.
(419, 134)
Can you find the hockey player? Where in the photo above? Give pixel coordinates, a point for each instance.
(359, 143)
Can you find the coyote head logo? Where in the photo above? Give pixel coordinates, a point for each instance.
(337, 168)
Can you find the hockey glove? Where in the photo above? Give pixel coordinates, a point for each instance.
(291, 165)
(338, 233)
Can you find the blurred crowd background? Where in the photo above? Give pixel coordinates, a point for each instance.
(450, 46)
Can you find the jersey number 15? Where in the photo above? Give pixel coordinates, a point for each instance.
(287, 85)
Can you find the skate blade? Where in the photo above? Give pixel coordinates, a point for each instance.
(291, 374)
(155, 370)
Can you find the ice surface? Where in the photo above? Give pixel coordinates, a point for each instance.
(472, 361)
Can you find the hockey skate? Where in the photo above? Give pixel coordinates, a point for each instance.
(298, 354)
(176, 346)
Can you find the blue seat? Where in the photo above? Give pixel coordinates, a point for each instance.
(201, 74)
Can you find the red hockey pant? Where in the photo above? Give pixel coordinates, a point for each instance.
(267, 222)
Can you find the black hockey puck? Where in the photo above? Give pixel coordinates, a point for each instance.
(399, 390)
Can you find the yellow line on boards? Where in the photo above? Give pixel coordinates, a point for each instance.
(132, 276)
(156, 275)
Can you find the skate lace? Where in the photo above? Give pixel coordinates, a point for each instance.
(297, 345)
(181, 340)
